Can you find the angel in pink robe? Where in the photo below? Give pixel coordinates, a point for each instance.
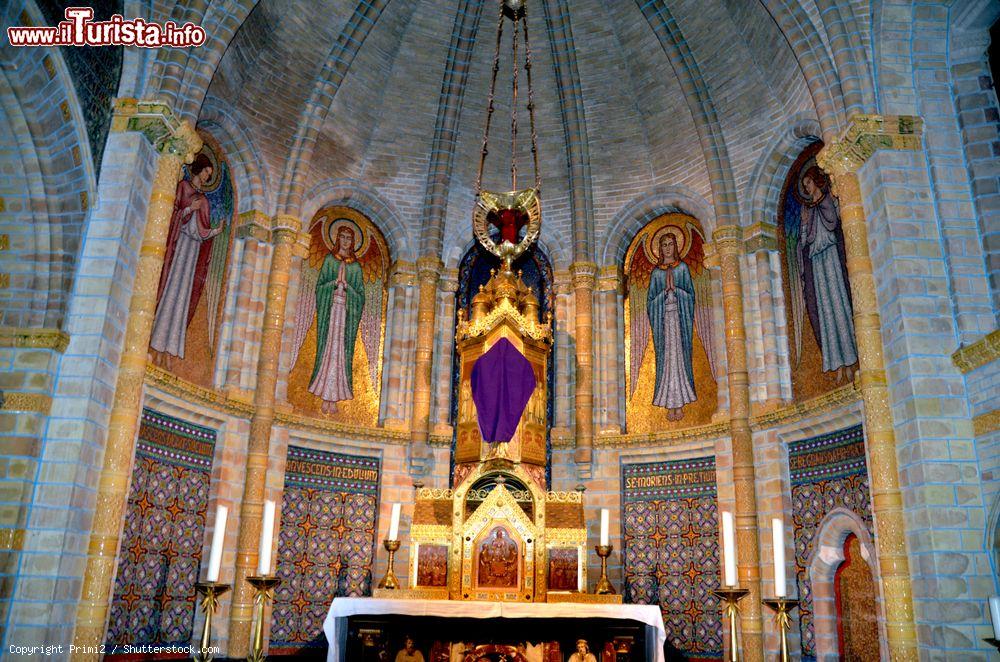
(185, 263)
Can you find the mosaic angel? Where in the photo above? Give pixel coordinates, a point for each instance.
(343, 281)
(195, 260)
(670, 294)
(817, 266)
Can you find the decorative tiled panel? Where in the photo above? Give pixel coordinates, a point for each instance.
(826, 472)
(671, 557)
(327, 541)
(161, 547)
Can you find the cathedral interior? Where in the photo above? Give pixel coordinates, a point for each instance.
(677, 305)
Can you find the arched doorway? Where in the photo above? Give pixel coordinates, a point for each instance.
(857, 610)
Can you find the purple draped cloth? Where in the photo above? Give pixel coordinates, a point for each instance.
(502, 384)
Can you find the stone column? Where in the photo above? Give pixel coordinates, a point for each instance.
(584, 281)
(242, 328)
(396, 372)
(177, 143)
(285, 234)
(761, 244)
(445, 343)
(609, 370)
(842, 159)
(428, 272)
(729, 245)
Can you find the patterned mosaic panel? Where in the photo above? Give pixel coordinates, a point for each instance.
(826, 472)
(160, 556)
(326, 544)
(671, 556)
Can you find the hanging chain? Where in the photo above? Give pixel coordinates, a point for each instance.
(489, 108)
(513, 115)
(513, 107)
(531, 103)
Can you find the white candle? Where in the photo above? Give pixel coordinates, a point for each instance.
(995, 615)
(729, 548)
(394, 523)
(605, 518)
(266, 539)
(579, 569)
(778, 540)
(218, 537)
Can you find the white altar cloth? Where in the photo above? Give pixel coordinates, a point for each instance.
(335, 625)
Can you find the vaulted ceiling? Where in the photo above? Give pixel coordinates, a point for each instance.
(633, 97)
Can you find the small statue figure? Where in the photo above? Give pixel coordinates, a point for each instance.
(409, 652)
(582, 653)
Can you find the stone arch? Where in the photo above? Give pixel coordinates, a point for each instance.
(814, 61)
(698, 97)
(768, 177)
(253, 191)
(634, 216)
(338, 62)
(355, 194)
(40, 98)
(574, 123)
(442, 154)
(827, 556)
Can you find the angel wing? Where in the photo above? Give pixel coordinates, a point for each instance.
(374, 265)
(793, 258)
(638, 287)
(305, 310)
(220, 202)
(704, 308)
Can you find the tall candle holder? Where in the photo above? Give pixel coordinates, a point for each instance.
(264, 592)
(604, 586)
(732, 596)
(781, 607)
(209, 604)
(389, 580)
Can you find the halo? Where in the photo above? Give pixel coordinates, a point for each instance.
(216, 180)
(797, 190)
(681, 236)
(332, 225)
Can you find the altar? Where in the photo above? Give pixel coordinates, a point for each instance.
(646, 619)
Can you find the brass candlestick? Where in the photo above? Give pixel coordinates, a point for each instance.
(209, 604)
(781, 607)
(732, 596)
(604, 586)
(264, 588)
(389, 580)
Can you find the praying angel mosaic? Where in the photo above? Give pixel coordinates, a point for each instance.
(671, 555)
(326, 544)
(827, 472)
(154, 601)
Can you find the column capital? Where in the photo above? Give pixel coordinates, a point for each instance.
(429, 268)
(609, 279)
(728, 239)
(583, 275)
(254, 224)
(286, 222)
(762, 236)
(449, 281)
(403, 274)
(865, 135)
(156, 121)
